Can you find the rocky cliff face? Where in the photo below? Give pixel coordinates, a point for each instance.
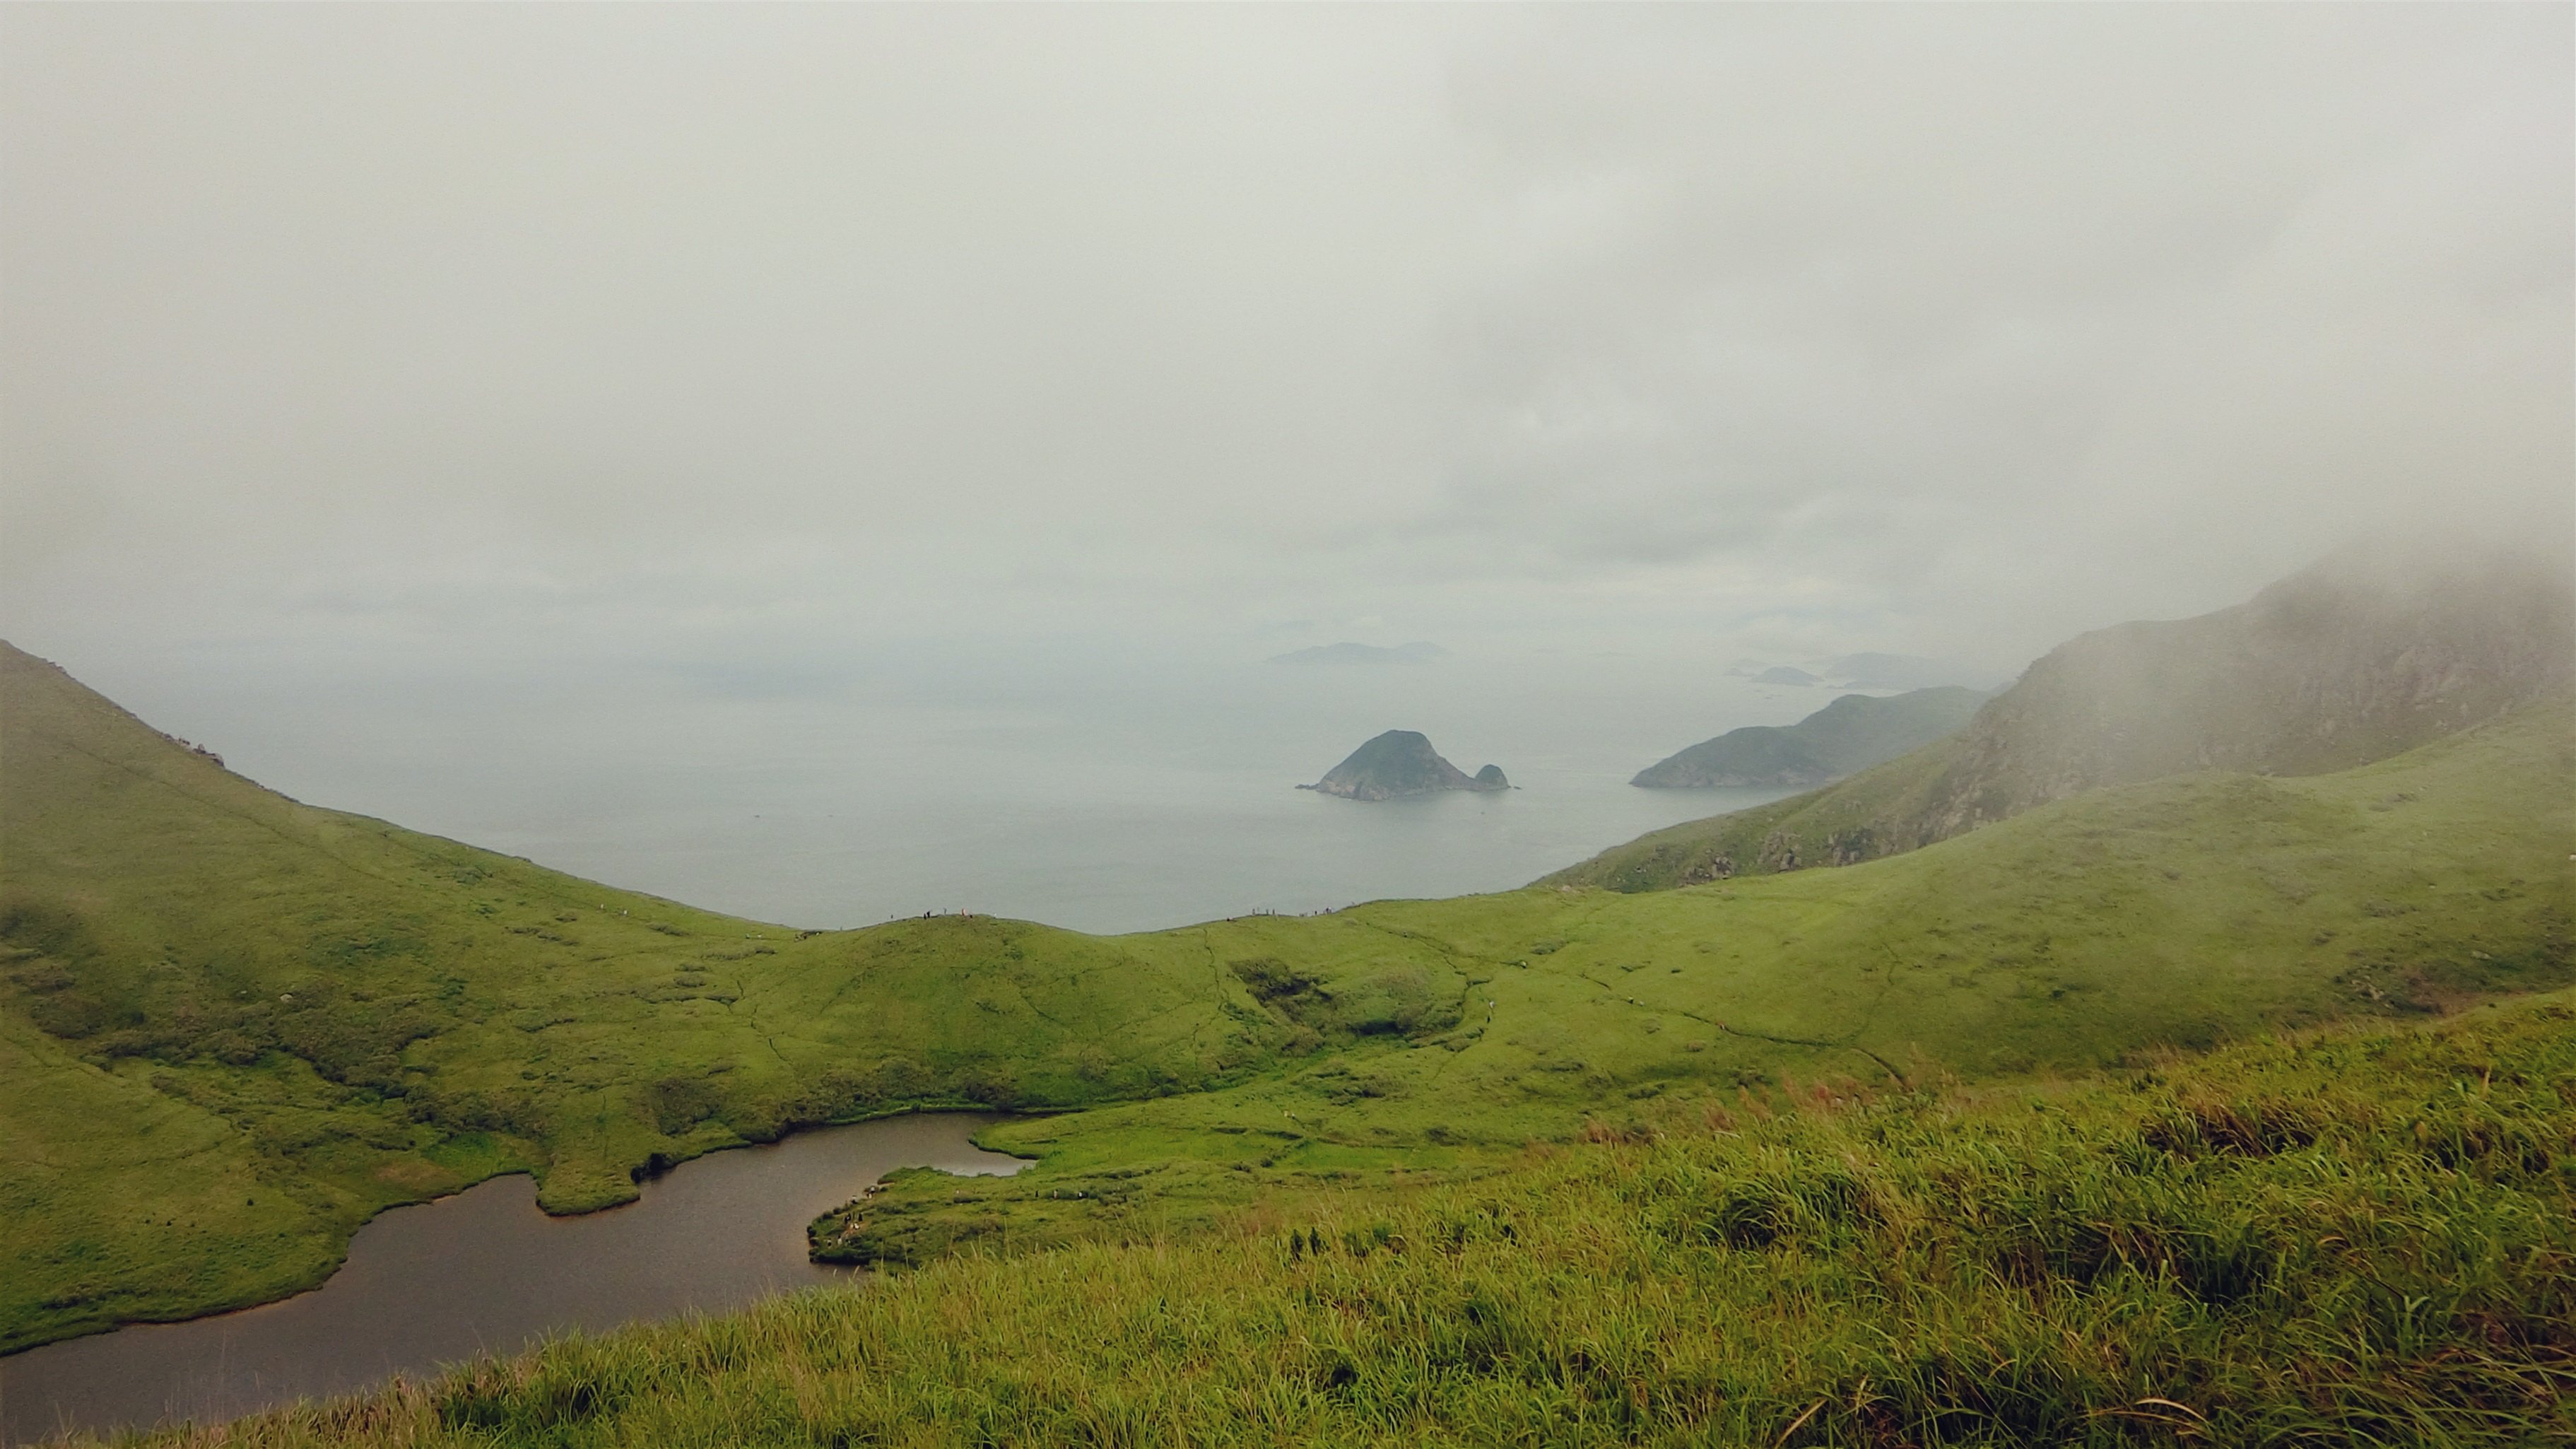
(1401, 762)
(2355, 660)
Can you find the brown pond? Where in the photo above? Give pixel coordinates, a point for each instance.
(485, 1271)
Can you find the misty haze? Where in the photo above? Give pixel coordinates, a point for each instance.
(1730, 724)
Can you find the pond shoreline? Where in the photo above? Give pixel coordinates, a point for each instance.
(485, 1270)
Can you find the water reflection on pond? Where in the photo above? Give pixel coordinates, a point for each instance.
(486, 1270)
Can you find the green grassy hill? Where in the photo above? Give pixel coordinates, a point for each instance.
(2360, 1235)
(1852, 733)
(210, 986)
(2354, 660)
(2087, 934)
(207, 984)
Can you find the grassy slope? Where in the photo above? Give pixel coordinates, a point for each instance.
(2355, 1235)
(2348, 662)
(100, 1172)
(1840, 824)
(355, 1015)
(2183, 912)
(455, 1013)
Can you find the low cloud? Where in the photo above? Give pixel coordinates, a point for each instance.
(694, 333)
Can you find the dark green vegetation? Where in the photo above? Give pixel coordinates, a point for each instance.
(2351, 661)
(1401, 762)
(1852, 733)
(2359, 1235)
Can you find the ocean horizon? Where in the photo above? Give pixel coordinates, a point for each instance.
(1101, 800)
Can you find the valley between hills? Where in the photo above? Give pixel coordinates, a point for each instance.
(2180, 1050)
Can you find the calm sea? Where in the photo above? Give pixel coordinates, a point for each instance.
(1103, 799)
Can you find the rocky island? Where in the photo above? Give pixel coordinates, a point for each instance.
(1402, 762)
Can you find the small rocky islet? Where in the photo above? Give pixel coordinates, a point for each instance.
(1399, 763)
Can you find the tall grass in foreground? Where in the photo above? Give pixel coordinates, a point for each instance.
(2365, 1235)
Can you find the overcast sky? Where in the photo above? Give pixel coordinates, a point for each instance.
(685, 334)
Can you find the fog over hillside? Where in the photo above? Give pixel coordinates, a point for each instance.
(780, 351)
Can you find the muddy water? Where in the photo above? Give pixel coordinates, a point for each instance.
(485, 1270)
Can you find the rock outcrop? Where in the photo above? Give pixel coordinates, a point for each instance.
(1398, 763)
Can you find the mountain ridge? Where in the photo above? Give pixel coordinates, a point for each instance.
(1852, 733)
(2340, 664)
